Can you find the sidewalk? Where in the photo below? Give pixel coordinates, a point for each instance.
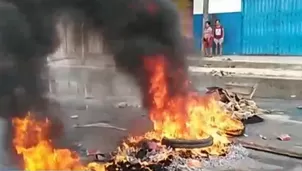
(250, 72)
(285, 62)
(260, 59)
(277, 77)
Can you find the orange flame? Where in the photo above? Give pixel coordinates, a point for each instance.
(186, 117)
(31, 142)
(183, 117)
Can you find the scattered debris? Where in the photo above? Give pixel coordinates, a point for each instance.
(234, 104)
(74, 117)
(100, 124)
(274, 111)
(125, 104)
(262, 137)
(93, 155)
(121, 105)
(227, 59)
(103, 157)
(246, 135)
(284, 137)
(93, 152)
(293, 96)
(221, 73)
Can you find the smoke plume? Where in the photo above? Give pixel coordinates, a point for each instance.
(131, 29)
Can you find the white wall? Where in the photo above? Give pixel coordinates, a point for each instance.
(218, 6)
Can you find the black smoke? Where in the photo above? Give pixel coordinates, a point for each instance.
(131, 29)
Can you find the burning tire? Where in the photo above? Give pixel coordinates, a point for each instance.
(236, 133)
(182, 143)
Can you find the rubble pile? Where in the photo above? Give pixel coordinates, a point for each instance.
(235, 105)
(126, 104)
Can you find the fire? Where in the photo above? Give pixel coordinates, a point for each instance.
(181, 116)
(186, 117)
(31, 141)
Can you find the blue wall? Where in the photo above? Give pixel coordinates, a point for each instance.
(232, 23)
(272, 27)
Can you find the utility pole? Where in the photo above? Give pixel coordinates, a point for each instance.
(205, 12)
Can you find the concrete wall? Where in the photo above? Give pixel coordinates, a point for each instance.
(229, 13)
(76, 42)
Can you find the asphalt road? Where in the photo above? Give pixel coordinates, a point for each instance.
(116, 123)
(136, 122)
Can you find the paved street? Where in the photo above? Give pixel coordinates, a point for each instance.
(116, 123)
(135, 122)
(111, 88)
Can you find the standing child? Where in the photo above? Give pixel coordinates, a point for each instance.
(208, 39)
(218, 37)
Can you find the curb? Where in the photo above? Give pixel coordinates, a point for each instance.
(248, 72)
(241, 64)
(269, 148)
(268, 87)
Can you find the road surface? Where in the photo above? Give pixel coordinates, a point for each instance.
(116, 123)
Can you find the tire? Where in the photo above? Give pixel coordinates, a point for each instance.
(181, 143)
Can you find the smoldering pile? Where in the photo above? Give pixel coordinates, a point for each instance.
(151, 155)
(239, 107)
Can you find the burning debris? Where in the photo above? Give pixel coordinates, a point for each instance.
(235, 105)
(154, 56)
(31, 141)
(187, 128)
(136, 153)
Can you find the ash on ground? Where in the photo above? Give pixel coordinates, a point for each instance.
(166, 159)
(236, 154)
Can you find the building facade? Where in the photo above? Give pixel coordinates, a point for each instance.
(254, 27)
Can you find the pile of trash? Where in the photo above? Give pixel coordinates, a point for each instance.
(239, 107)
(156, 157)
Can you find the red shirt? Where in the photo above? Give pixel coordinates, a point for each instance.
(218, 32)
